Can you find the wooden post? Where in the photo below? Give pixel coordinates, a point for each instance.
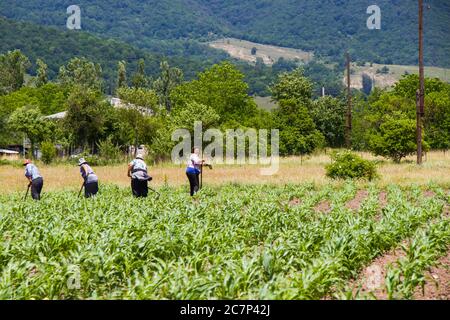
(348, 125)
(421, 92)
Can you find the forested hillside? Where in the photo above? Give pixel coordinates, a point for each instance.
(330, 27)
(56, 47)
(327, 27)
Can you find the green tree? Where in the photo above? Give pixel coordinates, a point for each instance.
(437, 120)
(396, 139)
(292, 85)
(122, 75)
(184, 118)
(49, 98)
(42, 76)
(409, 84)
(298, 133)
(221, 87)
(86, 116)
(328, 114)
(140, 97)
(29, 121)
(108, 150)
(81, 72)
(169, 79)
(140, 79)
(49, 151)
(135, 128)
(13, 66)
(366, 84)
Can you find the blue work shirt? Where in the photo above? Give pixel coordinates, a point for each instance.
(31, 171)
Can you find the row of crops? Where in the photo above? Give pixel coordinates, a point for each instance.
(231, 242)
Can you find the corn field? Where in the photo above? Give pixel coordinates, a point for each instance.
(230, 242)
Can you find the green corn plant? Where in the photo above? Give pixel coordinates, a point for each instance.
(233, 242)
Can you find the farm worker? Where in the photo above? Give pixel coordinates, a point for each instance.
(89, 177)
(35, 179)
(137, 171)
(193, 170)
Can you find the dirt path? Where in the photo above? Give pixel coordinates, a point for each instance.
(383, 200)
(355, 204)
(295, 202)
(323, 207)
(370, 282)
(429, 194)
(437, 285)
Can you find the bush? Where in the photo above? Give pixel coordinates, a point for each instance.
(109, 151)
(93, 160)
(396, 139)
(48, 150)
(347, 165)
(5, 162)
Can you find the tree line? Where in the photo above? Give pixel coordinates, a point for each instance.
(384, 120)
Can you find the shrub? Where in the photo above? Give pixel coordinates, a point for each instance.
(109, 151)
(347, 165)
(5, 162)
(93, 160)
(396, 139)
(48, 150)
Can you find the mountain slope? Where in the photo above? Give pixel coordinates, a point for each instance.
(57, 47)
(330, 27)
(327, 27)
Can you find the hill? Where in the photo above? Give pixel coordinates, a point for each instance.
(56, 47)
(329, 28)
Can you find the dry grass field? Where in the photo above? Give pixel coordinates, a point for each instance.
(395, 74)
(241, 49)
(293, 170)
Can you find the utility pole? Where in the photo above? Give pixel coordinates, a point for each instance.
(420, 95)
(348, 124)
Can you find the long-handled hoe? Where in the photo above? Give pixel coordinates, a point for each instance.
(28, 191)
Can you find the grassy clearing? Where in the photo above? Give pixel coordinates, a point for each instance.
(395, 74)
(241, 49)
(292, 170)
(266, 103)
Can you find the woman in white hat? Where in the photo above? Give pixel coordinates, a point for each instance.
(90, 178)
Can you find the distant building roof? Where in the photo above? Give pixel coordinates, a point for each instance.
(5, 151)
(60, 115)
(120, 104)
(115, 102)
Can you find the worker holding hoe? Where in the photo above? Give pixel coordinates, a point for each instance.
(36, 182)
(137, 171)
(193, 170)
(90, 178)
